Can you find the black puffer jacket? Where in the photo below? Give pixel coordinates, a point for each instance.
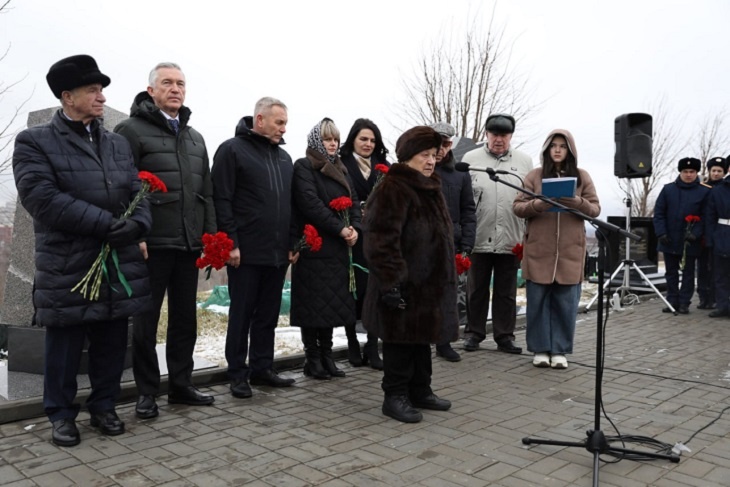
(320, 280)
(186, 211)
(73, 194)
(252, 196)
(459, 196)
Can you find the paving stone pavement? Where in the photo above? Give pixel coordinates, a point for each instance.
(666, 378)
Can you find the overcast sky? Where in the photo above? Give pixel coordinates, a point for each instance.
(588, 61)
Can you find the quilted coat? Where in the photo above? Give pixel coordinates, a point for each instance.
(409, 244)
(320, 295)
(73, 193)
(185, 211)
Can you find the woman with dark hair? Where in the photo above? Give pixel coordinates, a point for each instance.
(320, 295)
(411, 298)
(554, 252)
(362, 151)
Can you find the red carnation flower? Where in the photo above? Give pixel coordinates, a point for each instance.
(90, 285)
(463, 262)
(153, 182)
(343, 203)
(382, 168)
(216, 252)
(310, 240)
(518, 251)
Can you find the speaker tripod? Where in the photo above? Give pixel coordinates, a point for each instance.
(628, 264)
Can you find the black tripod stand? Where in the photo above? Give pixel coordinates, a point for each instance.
(628, 264)
(596, 442)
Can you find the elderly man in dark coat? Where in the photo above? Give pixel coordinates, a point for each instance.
(411, 297)
(459, 196)
(76, 179)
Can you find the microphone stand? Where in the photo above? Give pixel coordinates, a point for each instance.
(595, 442)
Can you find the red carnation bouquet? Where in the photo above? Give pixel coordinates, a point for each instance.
(216, 252)
(688, 237)
(310, 240)
(342, 206)
(90, 285)
(518, 250)
(463, 262)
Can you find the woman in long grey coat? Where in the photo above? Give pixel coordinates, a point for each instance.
(411, 297)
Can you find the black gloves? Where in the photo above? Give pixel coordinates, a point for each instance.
(665, 240)
(690, 238)
(123, 232)
(392, 299)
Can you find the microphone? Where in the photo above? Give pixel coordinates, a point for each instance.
(464, 167)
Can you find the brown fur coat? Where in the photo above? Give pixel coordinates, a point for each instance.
(409, 243)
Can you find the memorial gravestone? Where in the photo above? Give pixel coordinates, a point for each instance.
(26, 342)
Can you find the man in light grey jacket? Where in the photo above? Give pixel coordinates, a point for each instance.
(498, 231)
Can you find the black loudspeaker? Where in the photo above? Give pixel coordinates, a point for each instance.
(633, 132)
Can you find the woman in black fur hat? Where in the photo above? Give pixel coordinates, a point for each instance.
(411, 297)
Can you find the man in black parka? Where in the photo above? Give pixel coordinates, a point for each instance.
(164, 144)
(252, 178)
(459, 196)
(76, 180)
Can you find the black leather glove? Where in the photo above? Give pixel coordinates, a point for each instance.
(123, 232)
(690, 238)
(392, 299)
(665, 240)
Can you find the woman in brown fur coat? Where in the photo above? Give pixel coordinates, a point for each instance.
(411, 297)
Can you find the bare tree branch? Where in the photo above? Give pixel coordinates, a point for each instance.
(462, 77)
(8, 116)
(713, 141)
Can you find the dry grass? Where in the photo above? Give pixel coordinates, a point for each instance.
(209, 322)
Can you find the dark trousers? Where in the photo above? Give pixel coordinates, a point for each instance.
(406, 369)
(705, 280)
(64, 346)
(504, 303)
(679, 296)
(174, 272)
(721, 263)
(255, 301)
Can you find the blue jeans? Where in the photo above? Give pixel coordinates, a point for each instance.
(551, 315)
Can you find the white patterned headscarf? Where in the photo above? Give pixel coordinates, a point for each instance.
(314, 140)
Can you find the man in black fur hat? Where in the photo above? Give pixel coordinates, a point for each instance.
(76, 180)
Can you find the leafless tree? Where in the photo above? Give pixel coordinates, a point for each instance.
(713, 140)
(8, 116)
(668, 142)
(463, 77)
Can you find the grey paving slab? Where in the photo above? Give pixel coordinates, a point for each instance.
(666, 377)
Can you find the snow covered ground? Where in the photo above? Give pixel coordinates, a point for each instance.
(288, 340)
